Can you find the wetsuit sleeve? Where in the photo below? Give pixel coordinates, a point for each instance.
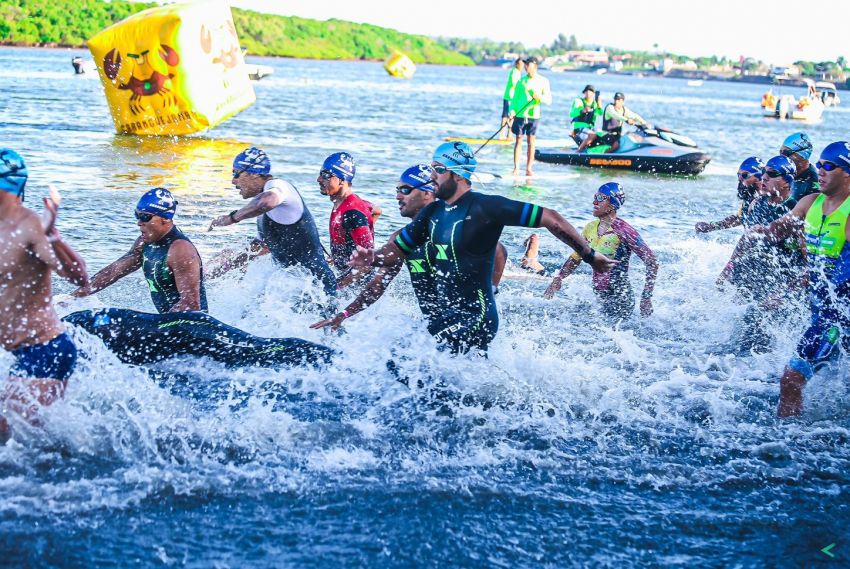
(415, 233)
(490, 214)
(632, 239)
(356, 224)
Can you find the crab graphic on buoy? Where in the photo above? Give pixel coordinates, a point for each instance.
(146, 79)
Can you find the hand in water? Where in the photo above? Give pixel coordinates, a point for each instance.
(362, 257)
(334, 322)
(553, 287)
(222, 221)
(703, 227)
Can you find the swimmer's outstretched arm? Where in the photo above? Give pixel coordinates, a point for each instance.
(570, 265)
(127, 264)
(388, 255)
(789, 225)
(728, 222)
(563, 230)
(264, 202)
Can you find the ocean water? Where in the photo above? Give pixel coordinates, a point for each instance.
(654, 443)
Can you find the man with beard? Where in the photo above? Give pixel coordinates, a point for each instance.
(462, 230)
(414, 192)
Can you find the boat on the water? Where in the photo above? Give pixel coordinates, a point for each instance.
(644, 150)
(828, 93)
(83, 66)
(257, 72)
(808, 108)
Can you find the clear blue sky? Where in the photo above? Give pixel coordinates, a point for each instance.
(775, 31)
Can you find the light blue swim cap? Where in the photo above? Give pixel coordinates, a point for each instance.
(799, 143)
(13, 172)
(457, 157)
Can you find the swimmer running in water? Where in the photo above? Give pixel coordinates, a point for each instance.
(462, 229)
(414, 192)
(30, 250)
(285, 226)
(169, 260)
(822, 219)
(616, 238)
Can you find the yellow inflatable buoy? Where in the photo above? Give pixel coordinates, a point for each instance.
(399, 65)
(173, 69)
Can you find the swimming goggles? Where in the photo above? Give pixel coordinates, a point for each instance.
(405, 189)
(826, 166)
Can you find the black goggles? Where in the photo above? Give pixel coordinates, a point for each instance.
(405, 189)
(143, 216)
(746, 175)
(774, 174)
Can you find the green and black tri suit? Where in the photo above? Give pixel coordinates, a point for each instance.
(163, 287)
(462, 240)
(421, 270)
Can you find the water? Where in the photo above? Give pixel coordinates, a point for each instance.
(644, 445)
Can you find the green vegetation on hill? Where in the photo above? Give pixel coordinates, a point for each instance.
(73, 22)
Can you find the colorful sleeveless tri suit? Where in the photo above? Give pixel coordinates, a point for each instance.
(462, 240)
(350, 225)
(613, 288)
(829, 287)
(163, 287)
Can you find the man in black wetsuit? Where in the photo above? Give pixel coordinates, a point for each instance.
(462, 229)
(168, 258)
(414, 192)
(285, 226)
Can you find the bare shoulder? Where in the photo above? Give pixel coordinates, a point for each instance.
(182, 248)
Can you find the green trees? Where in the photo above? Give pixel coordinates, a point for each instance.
(72, 23)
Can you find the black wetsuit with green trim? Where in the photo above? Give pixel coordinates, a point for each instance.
(462, 240)
(421, 270)
(140, 338)
(164, 293)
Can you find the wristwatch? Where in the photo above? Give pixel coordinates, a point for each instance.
(232, 216)
(588, 258)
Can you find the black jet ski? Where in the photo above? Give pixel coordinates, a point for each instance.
(644, 150)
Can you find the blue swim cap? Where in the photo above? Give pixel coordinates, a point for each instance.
(784, 166)
(838, 153)
(799, 143)
(457, 157)
(754, 165)
(341, 165)
(253, 161)
(13, 172)
(615, 193)
(418, 177)
(158, 201)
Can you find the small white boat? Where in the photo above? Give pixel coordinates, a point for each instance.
(695, 83)
(828, 93)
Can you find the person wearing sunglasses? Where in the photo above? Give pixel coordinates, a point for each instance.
(169, 260)
(616, 239)
(351, 221)
(285, 226)
(766, 272)
(750, 174)
(462, 229)
(822, 219)
(414, 192)
(798, 148)
(31, 250)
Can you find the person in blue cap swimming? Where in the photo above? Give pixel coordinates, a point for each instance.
(170, 262)
(822, 220)
(285, 226)
(462, 229)
(414, 192)
(30, 250)
(798, 147)
(617, 239)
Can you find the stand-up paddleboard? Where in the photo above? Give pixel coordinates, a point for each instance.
(555, 142)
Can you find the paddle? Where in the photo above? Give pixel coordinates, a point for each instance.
(495, 134)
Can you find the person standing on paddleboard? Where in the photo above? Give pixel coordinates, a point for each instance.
(532, 90)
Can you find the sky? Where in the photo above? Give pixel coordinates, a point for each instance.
(775, 31)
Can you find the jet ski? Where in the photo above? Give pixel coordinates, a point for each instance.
(644, 150)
